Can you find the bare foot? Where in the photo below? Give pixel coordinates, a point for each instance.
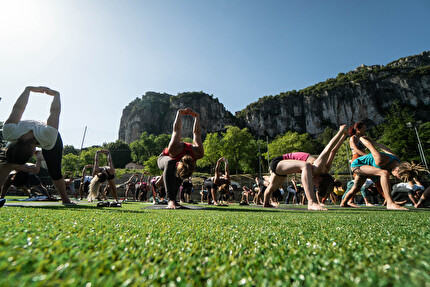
(395, 206)
(171, 205)
(369, 204)
(348, 204)
(271, 205)
(401, 202)
(352, 204)
(70, 203)
(315, 206)
(322, 204)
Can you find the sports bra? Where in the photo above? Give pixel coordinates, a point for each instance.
(302, 156)
(187, 150)
(360, 145)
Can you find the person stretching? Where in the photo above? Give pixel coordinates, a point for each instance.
(313, 171)
(378, 166)
(24, 177)
(26, 135)
(102, 174)
(178, 160)
(218, 182)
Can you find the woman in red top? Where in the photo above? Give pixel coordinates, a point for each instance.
(179, 160)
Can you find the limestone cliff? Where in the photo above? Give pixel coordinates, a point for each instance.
(364, 94)
(155, 113)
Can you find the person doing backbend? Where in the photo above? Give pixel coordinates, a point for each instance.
(102, 174)
(26, 135)
(378, 166)
(178, 160)
(218, 183)
(313, 171)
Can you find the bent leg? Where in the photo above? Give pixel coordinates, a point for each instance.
(385, 183)
(349, 195)
(323, 159)
(275, 182)
(380, 159)
(112, 186)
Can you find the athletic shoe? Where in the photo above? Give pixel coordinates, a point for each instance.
(115, 204)
(2, 202)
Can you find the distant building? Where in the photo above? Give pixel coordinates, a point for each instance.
(132, 165)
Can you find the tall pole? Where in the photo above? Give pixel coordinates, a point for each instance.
(83, 138)
(268, 163)
(259, 157)
(420, 149)
(82, 145)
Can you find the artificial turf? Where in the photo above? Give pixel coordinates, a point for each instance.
(222, 246)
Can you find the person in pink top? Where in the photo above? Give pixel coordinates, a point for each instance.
(314, 171)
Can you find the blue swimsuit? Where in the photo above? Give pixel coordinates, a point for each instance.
(369, 160)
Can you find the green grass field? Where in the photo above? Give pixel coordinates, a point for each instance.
(224, 246)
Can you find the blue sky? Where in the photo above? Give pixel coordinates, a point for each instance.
(101, 55)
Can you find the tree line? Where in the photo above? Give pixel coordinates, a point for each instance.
(243, 149)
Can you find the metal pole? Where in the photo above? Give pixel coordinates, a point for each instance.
(82, 145)
(268, 163)
(347, 161)
(420, 148)
(259, 157)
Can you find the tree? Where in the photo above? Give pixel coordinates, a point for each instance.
(212, 148)
(120, 152)
(70, 162)
(148, 145)
(424, 134)
(236, 146)
(70, 149)
(396, 135)
(151, 165)
(88, 155)
(293, 142)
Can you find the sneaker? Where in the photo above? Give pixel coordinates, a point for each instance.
(114, 204)
(103, 204)
(2, 202)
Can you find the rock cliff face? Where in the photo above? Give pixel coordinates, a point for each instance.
(364, 94)
(155, 113)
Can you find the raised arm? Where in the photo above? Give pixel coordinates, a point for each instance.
(96, 163)
(19, 107)
(84, 170)
(226, 170)
(109, 160)
(54, 116)
(21, 103)
(197, 135)
(142, 177)
(217, 168)
(131, 178)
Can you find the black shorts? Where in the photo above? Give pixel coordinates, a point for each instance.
(274, 164)
(209, 184)
(25, 179)
(53, 159)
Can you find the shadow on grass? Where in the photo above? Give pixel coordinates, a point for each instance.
(231, 208)
(78, 207)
